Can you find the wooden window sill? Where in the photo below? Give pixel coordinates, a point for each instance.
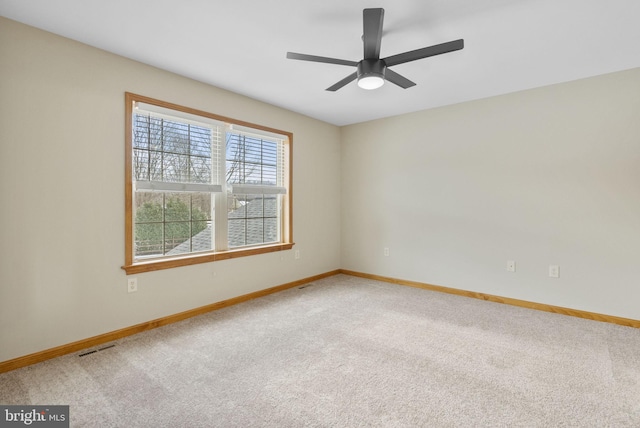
(194, 259)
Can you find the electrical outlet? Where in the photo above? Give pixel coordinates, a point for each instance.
(511, 265)
(386, 251)
(296, 254)
(132, 285)
(554, 271)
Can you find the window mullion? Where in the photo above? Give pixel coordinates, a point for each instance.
(164, 223)
(221, 221)
(191, 222)
(149, 148)
(162, 149)
(189, 153)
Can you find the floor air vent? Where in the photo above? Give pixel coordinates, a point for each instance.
(307, 285)
(96, 350)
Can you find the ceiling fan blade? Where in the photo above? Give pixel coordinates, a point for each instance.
(350, 78)
(399, 80)
(424, 52)
(372, 32)
(314, 58)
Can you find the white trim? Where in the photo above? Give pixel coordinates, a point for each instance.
(257, 189)
(164, 186)
(170, 114)
(256, 133)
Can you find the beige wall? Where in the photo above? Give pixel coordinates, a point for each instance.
(62, 195)
(545, 176)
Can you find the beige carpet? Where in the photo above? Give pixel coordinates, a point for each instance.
(350, 352)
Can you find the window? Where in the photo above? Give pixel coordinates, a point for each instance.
(201, 187)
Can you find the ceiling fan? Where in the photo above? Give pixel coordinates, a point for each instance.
(372, 71)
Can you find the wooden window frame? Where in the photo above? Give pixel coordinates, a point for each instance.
(131, 266)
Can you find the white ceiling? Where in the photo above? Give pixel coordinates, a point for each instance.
(240, 45)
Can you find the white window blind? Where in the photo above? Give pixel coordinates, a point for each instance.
(255, 178)
(171, 149)
(255, 163)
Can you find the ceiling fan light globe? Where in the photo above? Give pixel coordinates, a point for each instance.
(370, 82)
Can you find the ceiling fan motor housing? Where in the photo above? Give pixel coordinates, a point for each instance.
(371, 73)
(371, 67)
